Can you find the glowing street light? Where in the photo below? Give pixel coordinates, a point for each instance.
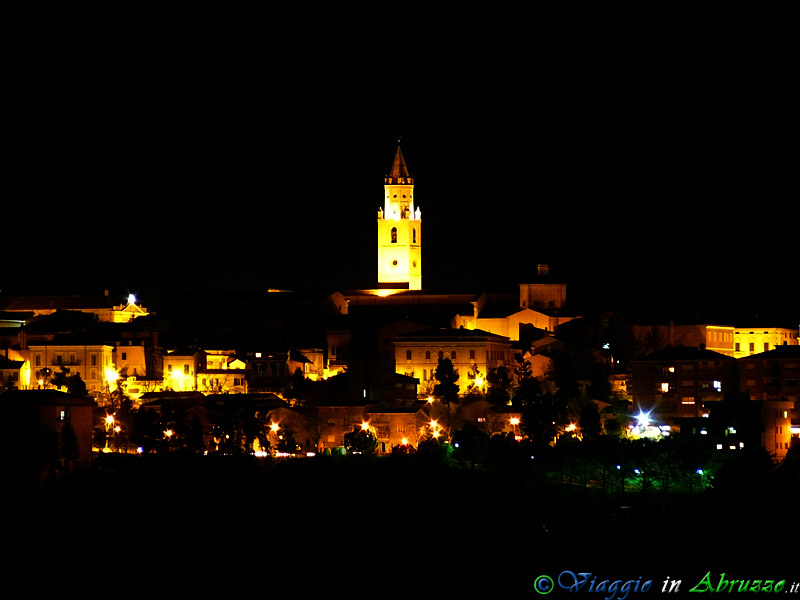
(274, 427)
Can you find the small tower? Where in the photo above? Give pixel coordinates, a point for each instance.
(399, 231)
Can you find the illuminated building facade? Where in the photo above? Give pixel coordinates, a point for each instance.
(93, 362)
(473, 353)
(223, 374)
(680, 382)
(399, 231)
(773, 377)
(181, 368)
(754, 340)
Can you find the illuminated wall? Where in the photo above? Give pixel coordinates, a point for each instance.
(180, 371)
(777, 415)
(509, 325)
(754, 340)
(94, 364)
(470, 351)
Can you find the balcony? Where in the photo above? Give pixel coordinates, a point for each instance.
(61, 362)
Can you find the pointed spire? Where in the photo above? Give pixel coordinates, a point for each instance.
(399, 172)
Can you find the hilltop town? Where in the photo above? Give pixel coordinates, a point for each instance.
(399, 364)
(352, 400)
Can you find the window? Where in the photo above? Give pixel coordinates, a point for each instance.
(394, 235)
(453, 355)
(63, 413)
(414, 235)
(472, 354)
(427, 355)
(408, 354)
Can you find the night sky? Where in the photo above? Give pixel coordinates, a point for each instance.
(648, 154)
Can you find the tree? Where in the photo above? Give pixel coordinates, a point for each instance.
(360, 441)
(235, 425)
(474, 389)
(471, 444)
(499, 392)
(286, 442)
(542, 412)
(447, 387)
(148, 432)
(68, 448)
(63, 379)
(589, 421)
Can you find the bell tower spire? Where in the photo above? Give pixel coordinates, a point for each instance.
(399, 230)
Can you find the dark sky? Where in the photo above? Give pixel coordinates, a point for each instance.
(648, 154)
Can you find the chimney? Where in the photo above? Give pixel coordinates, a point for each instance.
(543, 270)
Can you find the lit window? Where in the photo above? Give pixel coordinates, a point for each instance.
(664, 388)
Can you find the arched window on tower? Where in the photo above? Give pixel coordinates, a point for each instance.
(414, 236)
(394, 235)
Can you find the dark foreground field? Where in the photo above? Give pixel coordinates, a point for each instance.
(391, 527)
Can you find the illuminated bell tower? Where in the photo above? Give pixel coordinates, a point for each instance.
(399, 231)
